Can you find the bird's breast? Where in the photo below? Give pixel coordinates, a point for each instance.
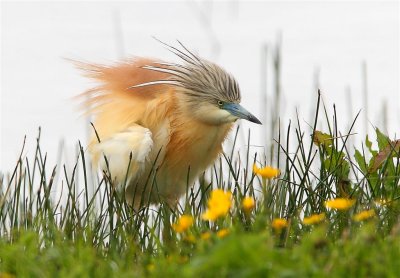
(191, 149)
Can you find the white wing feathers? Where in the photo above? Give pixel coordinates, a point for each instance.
(118, 148)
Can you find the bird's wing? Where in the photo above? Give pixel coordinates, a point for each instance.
(125, 116)
(130, 148)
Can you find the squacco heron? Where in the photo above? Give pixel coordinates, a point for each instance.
(161, 121)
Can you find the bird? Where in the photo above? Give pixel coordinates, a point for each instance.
(159, 125)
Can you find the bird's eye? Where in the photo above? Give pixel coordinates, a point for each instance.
(220, 103)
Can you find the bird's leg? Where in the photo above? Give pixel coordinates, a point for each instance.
(167, 229)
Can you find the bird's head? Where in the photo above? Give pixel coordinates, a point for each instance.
(209, 93)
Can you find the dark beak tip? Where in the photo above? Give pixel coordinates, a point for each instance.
(255, 120)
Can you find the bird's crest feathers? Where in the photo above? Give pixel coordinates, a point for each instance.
(200, 78)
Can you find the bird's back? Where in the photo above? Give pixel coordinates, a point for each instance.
(116, 104)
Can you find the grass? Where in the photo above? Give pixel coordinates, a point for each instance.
(53, 223)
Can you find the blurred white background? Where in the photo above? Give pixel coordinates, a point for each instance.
(329, 39)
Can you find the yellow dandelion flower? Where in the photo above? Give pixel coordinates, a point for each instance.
(279, 223)
(364, 215)
(218, 205)
(6, 275)
(184, 222)
(205, 235)
(209, 215)
(382, 202)
(248, 204)
(266, 172)
(150, 267)
(314, 219)
(222, 233)
(190, 239)
(340, 203)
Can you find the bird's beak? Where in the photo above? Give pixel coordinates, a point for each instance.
(238, 111)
